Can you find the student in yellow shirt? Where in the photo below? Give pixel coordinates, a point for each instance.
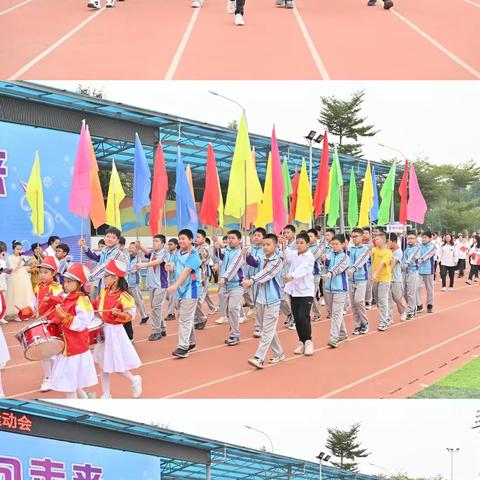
(382, 277)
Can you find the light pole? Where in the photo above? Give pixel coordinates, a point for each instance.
(383, 468)
(322, 457)
(452, 452)
(312, 137)
(263, 433)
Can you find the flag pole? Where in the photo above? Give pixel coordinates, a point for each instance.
(342, 220)
(81, 236)
(37, 232)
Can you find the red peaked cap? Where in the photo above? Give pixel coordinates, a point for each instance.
(51, 263)
(78, 272)
(116, 267)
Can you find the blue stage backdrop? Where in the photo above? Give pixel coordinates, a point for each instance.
(57, 151)
(23, 457)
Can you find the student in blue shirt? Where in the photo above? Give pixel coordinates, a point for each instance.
(172, 247)
(426, 270)
(186, 286)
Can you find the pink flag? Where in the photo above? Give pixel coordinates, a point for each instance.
(81, 193)
(278, 205)
(417, 206)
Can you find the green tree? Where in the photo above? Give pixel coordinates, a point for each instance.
(404, 476)
(344, 445)
(343, 119)
(90, 90)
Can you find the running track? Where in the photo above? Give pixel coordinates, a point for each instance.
(391, 364)
(166, 39)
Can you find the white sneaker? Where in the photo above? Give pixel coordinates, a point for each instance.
(231, 6)
(137, 386)
(322, 301)
(403, 316)
(94, 4)
(109, 3)
(221, 320)
(251, 312)
(239, 21)
(242, 320)
(444, 289)
(45, 387)
(300, 350)
(345, 312)
(257, 333)
(308, 348)
(277, 358)
(450, 289)
(3, 321)
(196, 3)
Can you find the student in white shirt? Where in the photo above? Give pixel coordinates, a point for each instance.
(448, 259)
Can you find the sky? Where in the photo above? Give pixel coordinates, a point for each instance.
(438, 120)
(402, 435)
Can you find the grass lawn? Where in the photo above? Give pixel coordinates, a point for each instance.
(462, 383)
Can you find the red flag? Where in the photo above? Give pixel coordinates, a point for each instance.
(159, 190)
(321, 190)
(211, 195)
(403, 191)
(293, 202)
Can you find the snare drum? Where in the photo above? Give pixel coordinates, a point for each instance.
(40, 340)
(95, 332)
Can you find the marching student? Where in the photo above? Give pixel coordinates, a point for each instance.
(186, 286)
(268, 296)
(133, 281)
(64, 259)
(212, 308)
(48, 293)
(382, 278)
(367, 240)
(387, 4)
(410, 268)
(284, 3)
(172, 247)
(474, 259)
(425, 271)
(237, 8)
(157, 281)
(317, 252)
(256, 251)
(203, 250)
(230, 282)
(448, 261)
(462, 246)
(397, 294)
(299, 285)
(358, 272)
(116, 306)
(34, 262)
(74, 369)
(335, 284)
(96, 4)
(221, 299)
(285, 308)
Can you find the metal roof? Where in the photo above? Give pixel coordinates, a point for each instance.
(193, 136)
(227, 461)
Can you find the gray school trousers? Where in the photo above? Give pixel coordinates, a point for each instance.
(268, 326)
(335, 303)
(410, 282)
(396, 296)
(369, 290)
(357, 300)
(316, 303)
(186, 332)
(426, 280)
(137, 296)
(200, 316)
(233, 304)
(157, 297)
(381, 290)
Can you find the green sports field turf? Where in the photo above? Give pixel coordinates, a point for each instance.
(462, 383)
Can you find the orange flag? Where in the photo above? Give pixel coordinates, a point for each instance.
(97, 210)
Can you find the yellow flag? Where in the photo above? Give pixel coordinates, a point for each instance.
(188, 172)
(330, 180)
(115, 196)
(304, 210)
(265, 209)
(367, 198)
(34, 194)
(243, 185)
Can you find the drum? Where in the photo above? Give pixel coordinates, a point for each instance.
(95, 332)
(40, 340)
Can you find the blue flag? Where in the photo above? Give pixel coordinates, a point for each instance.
(141, 178)
(187, 216)
(374, 210)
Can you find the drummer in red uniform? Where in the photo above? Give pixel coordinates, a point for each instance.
(116, 306)
(48, 293)
(74, 369)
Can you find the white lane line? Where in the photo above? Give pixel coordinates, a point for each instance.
(4, 12)
(475, 73)
(54, 46)
(311, 46)
(182, 45)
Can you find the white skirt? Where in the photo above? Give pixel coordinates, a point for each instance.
(4, 353)
(70, 374)
(116, 354)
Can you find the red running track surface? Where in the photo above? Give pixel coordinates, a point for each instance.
(166, 39)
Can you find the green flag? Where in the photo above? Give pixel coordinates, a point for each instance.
(337, 182)
(287, 184)
(352, 201)
(386, 193)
